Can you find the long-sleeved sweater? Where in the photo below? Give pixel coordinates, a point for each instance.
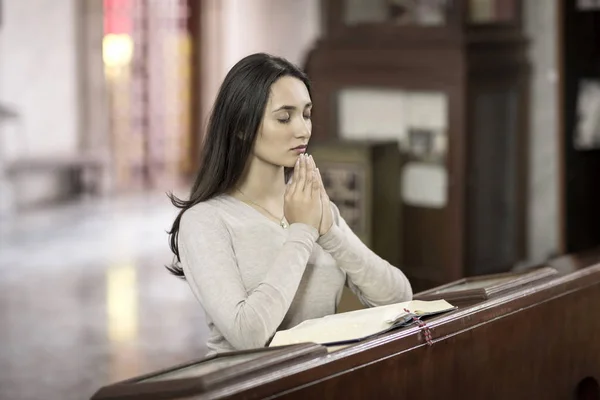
(252, 277)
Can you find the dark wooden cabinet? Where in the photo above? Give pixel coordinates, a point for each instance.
(579, 38)
(449, 82)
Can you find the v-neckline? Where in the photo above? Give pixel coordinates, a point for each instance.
(255, 211)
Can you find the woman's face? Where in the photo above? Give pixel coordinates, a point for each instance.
(286, 126)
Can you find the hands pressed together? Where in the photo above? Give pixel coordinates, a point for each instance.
(306, 200)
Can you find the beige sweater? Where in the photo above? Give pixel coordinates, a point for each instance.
(253, 277)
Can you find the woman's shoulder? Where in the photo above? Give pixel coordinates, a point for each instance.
(204, 222)
(214, 204)
(208, 212)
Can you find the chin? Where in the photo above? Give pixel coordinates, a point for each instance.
(289, 162)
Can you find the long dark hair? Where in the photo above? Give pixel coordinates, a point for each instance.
(231, 132)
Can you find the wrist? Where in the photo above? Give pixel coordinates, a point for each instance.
(325, 230)
(305, 228)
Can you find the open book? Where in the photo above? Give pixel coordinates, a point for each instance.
(357, 325)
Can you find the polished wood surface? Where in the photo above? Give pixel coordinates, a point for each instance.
(225, 374)
(486, 286)
(569, 263)
(538, 341)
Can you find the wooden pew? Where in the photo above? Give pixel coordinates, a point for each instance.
(540, 341)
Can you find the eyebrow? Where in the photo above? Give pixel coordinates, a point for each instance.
(291, 108)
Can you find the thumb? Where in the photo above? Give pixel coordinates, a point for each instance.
(324, 196)
(321, 184)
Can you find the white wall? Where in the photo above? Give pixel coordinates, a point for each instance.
(38, 73)
(233, 29)
(541, 29)
(286, 28)
(38, 57)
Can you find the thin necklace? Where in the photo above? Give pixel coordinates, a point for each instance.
(282, 222)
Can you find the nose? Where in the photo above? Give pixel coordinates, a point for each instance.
(304, 129)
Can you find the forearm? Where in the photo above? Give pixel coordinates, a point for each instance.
(378, 281)
(247, 320)
(259, 315)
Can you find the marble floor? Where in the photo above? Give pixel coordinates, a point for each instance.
(85, 299)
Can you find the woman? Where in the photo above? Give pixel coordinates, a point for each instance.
(261, 254)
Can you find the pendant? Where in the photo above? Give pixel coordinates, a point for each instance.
(283, 223)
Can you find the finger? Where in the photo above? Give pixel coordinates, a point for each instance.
(316, 186)
(310, 179)
(289, 185)
(293, 183)
(321, 184)
(324, 196)
(301, 173)
(320, 178)
(313, 162)
(311, 170)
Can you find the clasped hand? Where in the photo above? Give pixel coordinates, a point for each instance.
(306, 200)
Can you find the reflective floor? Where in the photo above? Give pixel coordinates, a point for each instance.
(85, 299)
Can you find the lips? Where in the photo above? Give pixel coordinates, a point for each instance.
(301, 147)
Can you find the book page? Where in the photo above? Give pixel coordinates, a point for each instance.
(421, 307)
(356, 324)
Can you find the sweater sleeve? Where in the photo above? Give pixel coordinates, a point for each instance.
(374, 280)
(246, 319)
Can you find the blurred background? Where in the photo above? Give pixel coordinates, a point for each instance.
(486, 114)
